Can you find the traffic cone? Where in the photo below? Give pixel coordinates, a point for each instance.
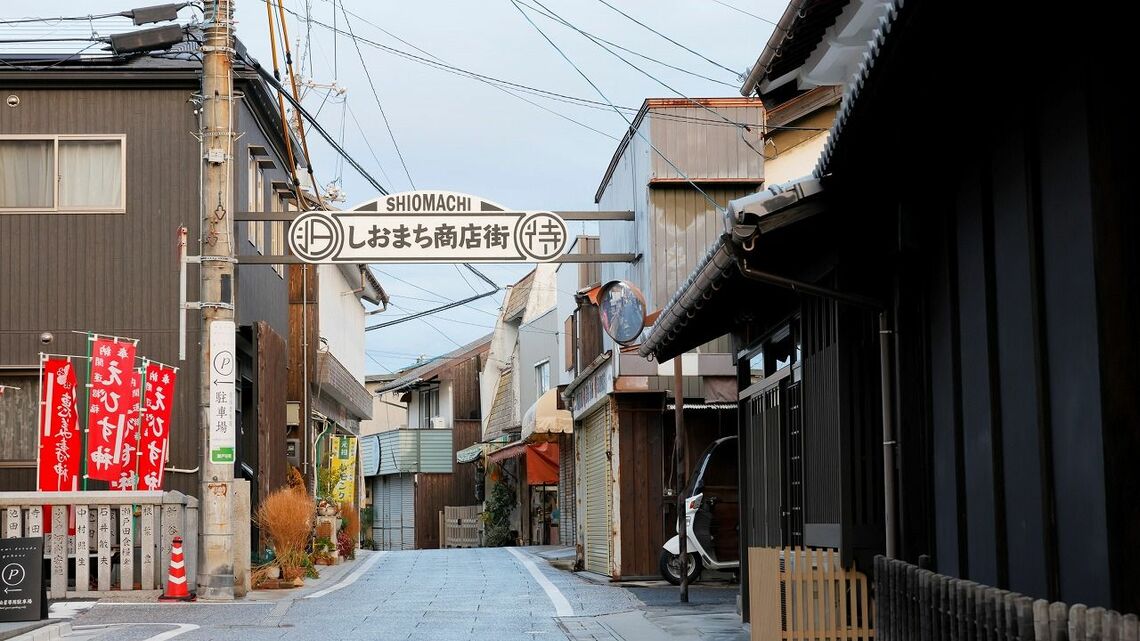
(176, 588)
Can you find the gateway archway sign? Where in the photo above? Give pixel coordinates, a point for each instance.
(428, 227)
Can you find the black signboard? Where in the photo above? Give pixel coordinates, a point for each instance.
(21, 580)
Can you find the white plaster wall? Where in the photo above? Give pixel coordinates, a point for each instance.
(341, 319)
(797, 162)
(385, 416)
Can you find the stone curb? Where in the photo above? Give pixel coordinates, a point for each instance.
(50, 632)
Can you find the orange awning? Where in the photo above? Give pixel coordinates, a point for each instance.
(542, 464)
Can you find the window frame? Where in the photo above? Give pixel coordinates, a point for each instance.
(255, 199)
(540, 368)
(429, 394)
(277, 232)
(55, 208)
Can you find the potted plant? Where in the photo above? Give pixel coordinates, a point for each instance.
(322, 551)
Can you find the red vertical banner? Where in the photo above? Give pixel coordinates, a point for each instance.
(59, 451)
(114, 402)
(157, 405)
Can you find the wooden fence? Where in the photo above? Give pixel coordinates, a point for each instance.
(459, 527)
(806, 595)
(127, 536)
(924, 606)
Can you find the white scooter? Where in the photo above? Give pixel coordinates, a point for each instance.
(718, 463)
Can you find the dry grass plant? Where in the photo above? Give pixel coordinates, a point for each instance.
(351, 520)
(286, 517)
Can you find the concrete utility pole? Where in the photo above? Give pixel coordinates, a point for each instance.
(216, 548)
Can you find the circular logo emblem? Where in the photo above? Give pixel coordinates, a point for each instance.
(315, 236)
(13, 574)
(541, 236)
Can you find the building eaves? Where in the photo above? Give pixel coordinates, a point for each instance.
(870, 68)
(434, 366)
(796, 35)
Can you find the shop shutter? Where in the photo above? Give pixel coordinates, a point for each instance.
(394, 500)
(598, 499)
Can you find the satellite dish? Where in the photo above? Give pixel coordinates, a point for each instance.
(621, 307)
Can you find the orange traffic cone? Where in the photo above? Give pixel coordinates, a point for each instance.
(176, 589)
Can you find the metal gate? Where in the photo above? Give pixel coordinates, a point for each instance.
(598, 499)
(394, 511)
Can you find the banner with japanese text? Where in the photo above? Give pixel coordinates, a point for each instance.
(113, 413)
(59, 451)
(344, 468)
(158, 397)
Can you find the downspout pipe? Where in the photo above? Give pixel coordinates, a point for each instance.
(886, 371)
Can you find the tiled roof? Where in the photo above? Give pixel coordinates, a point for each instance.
(516, 301)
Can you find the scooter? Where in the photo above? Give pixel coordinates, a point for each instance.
(700, 545)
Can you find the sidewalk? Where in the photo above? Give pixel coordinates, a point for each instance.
(710, 614)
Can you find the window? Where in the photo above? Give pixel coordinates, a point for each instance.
(277, 235)
(255, 230)
(542, 378)
(62, 173)
(18, 417)
(429, 406)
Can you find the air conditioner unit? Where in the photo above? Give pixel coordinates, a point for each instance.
(437, 423)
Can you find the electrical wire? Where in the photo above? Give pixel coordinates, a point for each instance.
(376, 95)
(695, 53)
(753, 15)
(635, 130)
(631, 51)
(554, 16)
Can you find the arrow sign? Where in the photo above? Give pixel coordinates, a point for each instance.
(428, 227)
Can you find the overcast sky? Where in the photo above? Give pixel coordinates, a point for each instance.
(462, 135)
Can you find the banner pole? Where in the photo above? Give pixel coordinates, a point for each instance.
(87, 413)
(40, 424)
(142, 410)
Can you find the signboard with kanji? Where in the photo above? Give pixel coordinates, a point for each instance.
(223, 365)
(21, 580)
(428, 227)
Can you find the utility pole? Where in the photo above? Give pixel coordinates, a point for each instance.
(679, 448)
(216, 548)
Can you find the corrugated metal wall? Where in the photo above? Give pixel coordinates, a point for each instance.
(567, 532)
(597, 497)
(412, 450)
(704, 149)
(394, 511)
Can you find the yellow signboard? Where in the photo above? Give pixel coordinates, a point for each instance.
(344, 469)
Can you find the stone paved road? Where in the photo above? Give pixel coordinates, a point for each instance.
(428, 595)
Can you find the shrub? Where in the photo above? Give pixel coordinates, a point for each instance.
(497, 516)
(286, 517)
(346, 545)
(351, 520)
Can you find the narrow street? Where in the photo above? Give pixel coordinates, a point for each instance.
(429, 595)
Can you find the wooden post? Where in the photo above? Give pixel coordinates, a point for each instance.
(679, 449)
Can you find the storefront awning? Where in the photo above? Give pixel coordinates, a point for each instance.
(470, 454)
(544, 417)
(542, 464)
(511, 450)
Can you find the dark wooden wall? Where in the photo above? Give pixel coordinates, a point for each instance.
(109, 273)
(270, 385)
(464, 377)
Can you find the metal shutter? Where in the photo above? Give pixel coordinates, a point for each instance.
(566, 503)
(394, 501)
(598, 499)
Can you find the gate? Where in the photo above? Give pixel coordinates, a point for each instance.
(127, 536)
(460, 527)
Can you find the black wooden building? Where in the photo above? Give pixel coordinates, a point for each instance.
(975, 190)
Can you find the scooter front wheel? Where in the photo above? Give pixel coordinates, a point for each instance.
(670, 566)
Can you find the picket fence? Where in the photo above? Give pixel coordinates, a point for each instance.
(803, 594)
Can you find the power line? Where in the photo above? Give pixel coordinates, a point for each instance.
(633, 129)
(596, 41)
(375, 95)
(367, 144)
(695, 53)
(628, 50)
(747, 13)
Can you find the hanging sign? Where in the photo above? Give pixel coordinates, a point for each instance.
(344, 469)
(114, 402)
(223, 364)
(157, 406)
(59, 436)
(428, 227)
